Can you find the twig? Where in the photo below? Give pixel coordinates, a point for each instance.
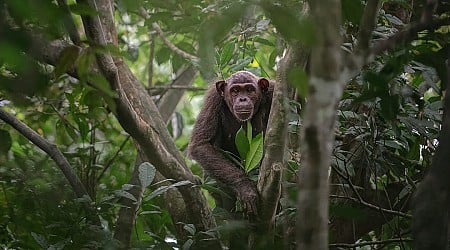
(172, 46)
(374, 207)
(49, 148)
(113, 158)
(166, 41)
(360, 200)
(368, 243)
(179, 87)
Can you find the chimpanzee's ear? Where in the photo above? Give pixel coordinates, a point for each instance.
(263, 83)
(220, 86)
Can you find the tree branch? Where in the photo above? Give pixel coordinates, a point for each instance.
(172, 46)
(368, 22)
(139, 116)
(408, 34)
(171, 98)
(166, 41)
(109, 163)
(360, 200)
(364, 55)
(369, 243)
(326, 84)
(372, 206)
(49, 148)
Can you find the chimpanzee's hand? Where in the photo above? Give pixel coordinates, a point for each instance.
(248, 196)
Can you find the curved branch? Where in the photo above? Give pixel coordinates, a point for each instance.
(166, 41)
(49, 148)
(172, 46)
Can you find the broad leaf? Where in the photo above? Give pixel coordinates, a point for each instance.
(255, 154)
(146, 174)
(124, 194)
(242, 143)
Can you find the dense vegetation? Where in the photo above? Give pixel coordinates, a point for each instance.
(98, 99)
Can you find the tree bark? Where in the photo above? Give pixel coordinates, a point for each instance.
(325, 90)
(140, 117)
(432, 198)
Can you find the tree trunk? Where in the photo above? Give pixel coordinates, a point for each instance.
(432, 198)
(325, 90)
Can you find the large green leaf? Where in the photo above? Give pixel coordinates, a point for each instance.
(242, 143)
(255, 154)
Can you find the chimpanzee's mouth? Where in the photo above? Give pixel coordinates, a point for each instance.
(243, 115)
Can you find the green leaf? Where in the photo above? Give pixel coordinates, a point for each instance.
(40, 240)
(226, 53)
(124, 194)
(213, 30)
(102, 84)
(289, 23)
(146, 174)
(66, 60)
(242, 143)
(84, 63)
(163, 55)
(255, 154)
(6, 142)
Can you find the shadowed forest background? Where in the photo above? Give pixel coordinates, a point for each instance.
(98, 99)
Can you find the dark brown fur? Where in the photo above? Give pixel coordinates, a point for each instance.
(216, 128)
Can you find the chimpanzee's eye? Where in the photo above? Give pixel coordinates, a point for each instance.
(234, 90)
(250, 89)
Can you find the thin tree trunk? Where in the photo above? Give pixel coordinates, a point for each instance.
(325, 90)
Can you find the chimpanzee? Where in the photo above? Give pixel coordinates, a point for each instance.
(228, 106)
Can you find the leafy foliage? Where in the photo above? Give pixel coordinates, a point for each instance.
(250, 148)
